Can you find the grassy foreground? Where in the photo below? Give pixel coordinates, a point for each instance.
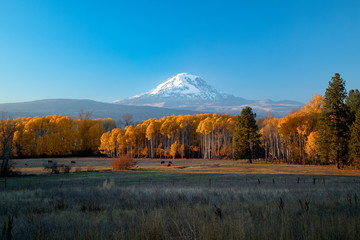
(178, 205)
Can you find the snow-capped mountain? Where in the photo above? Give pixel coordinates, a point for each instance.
(190, 92)
(184, 85)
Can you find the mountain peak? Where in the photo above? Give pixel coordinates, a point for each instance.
(190, 92)
(183, 85)
(181, 82)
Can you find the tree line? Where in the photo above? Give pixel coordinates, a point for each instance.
(54, 135)
(326, 130)
(208, 136)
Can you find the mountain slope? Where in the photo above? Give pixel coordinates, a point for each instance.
(190, 92)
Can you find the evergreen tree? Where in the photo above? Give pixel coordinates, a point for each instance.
(334, 123)
(246, 136)
(353, 102)
(354, 145)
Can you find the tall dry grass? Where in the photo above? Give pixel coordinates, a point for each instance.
(163, 211)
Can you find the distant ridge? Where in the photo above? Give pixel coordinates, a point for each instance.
(179, 95)
(71, 108)
(190, 92)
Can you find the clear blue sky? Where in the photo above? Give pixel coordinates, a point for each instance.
(109, 50)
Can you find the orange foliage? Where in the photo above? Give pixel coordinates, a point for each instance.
(292, 138)
(57, 135)
(201, 135)
(123, 162)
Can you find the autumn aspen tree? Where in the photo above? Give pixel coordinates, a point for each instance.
(7, 130)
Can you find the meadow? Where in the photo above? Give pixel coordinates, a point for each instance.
(194, 199)
(36, 166)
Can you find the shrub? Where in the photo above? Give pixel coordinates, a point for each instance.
(65, 168)
(123, 162)
(52, 167)
(90, 168)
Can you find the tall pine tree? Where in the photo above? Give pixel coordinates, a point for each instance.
(334, 124)
(354, 145)
(353, 102)
(246, 136)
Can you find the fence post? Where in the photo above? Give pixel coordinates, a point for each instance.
(209, 183)
(356, 198)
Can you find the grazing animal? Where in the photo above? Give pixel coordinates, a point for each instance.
(50, 161)
(169, 164)
(73, 162)
(162, 162)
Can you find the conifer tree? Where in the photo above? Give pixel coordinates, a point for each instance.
(353, 102)
(246, 136)
(334, 123)
(354, 145)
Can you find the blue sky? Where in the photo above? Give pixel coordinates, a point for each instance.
(109, 50)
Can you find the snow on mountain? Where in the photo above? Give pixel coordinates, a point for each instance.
(190, 92)
(183, 85)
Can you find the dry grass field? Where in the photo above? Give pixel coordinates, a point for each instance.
(191, 199)
(35, 166)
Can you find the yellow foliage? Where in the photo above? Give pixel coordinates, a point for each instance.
(315, 105)
(104, 144)
(174, 149)
(312, 144)
(145, 151)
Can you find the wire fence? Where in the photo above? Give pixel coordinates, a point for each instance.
(19, 183)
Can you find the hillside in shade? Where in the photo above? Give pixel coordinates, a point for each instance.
(72, 107)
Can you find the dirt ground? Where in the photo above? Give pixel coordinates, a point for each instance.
(36, 166)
